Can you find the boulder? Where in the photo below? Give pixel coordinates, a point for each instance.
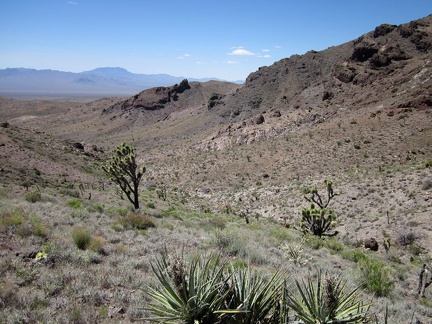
(371, 244)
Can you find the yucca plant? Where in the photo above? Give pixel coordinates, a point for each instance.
(193, 295)
(327, 302)
(258, 299)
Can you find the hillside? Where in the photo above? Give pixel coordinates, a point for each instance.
(359, 114)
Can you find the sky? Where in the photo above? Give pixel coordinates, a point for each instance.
(226, 39)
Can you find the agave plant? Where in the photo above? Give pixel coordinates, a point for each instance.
(193, 295)
(258, 300)
(327, 302)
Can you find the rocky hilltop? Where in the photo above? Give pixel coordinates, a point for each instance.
(390, 64)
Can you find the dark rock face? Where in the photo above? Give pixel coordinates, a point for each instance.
(383, 29)
(371, 244)
(156, 98)
(215, 99)
(363, 53)
(344, 74)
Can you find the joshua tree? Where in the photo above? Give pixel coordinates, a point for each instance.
(318, 220)
(124, 171)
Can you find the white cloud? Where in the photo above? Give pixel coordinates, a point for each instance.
(199, 62)
(240, 51)
(266, 50)
(72, 3)
(277, 46)
(232, 62)
(267, 56)
(182, 57)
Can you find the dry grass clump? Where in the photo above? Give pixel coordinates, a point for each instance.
(33, 196)
(97, 244)
(135, 221)
(81, 237)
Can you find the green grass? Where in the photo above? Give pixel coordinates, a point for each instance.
(75, 203)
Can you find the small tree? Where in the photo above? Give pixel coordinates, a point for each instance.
(124, 171)
(318, 219)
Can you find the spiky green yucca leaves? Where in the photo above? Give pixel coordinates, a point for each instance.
(214, 292)
(188, 296)
(124, 171)
(327, 302)
(262, 301)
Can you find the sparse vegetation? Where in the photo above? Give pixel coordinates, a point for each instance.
(226, 181)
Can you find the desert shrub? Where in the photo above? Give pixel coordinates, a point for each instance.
(151, 205)
(97, 244)
(415, 249)
(33, 196)
(136, 221)
(8, 294)
(229, 242)
(98, 208)
(12, 218)
(70, 192)
(353, 255)
(210, 224)
(38, 228)
(314, 242)
(375, 276)
(81, 237)
(75, 203)
(427, 184)
(280, 234)
(334, 245)
(406, 238)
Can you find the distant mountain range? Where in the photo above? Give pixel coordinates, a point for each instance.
(104, 81)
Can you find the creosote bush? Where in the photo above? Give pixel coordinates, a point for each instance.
(33, 196)
(375, 276)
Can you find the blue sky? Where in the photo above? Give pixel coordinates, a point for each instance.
(194, 38)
